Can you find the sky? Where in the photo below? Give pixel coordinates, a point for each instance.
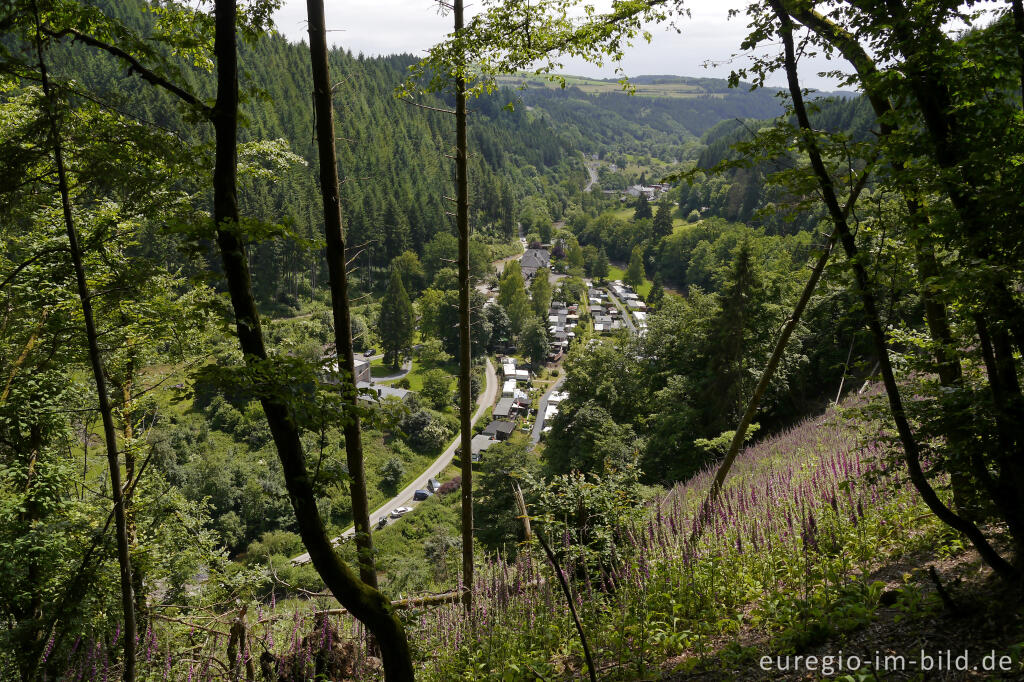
(381, 27)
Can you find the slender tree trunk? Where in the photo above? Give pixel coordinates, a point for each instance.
(465, 343)
(96, 361)
(338, 276)
(1017, 7)
(910, 446)
(363, 601)
(128, 431)
(759, 390)
(29, 638)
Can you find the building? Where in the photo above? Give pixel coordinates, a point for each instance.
(391, 392)
(499, 430)
(532, 261)
(362, 370)
(549, 415)
(505, 408)
(372, 393)
(478, 445)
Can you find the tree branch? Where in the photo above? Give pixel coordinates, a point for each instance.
(134, 65)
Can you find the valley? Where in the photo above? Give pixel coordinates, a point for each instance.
(659, 378)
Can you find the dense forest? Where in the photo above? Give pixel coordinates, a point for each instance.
(316, 365)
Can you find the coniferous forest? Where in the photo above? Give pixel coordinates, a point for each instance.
(323, 366)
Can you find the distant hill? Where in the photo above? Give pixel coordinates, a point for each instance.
(661, 116)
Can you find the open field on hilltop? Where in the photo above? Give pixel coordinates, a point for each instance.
(593, 86)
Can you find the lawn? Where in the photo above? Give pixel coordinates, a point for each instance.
(615, 272)
(379, 369)
(415, 375)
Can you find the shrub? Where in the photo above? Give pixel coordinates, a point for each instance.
(223, 415)
(391, 473)
(434, 436)
(437, 388)
(274, 542)
(423, 431)
(450, 486)
(693, 217)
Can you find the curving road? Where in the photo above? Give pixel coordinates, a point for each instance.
(403, 370)
(404, 498)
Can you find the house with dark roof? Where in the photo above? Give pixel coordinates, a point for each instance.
(533, 260)
(499, 430)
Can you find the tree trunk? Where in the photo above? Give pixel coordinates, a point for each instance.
(465, 348)
(759, 390)
(1018, 25)
(338, 276)
(910, 446)
(96, 361)
(363, 601)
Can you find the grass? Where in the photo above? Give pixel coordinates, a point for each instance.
(615, 272)
(415, 375)
(379, 369)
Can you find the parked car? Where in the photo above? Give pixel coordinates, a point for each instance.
(421, 494)
(370, 352)
(382, 522)
(433, 484)
(399, 512)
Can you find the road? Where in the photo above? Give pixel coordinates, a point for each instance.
(405, 369)
(538, 425)
(404, 498)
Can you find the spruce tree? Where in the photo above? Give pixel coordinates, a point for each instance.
(601, 267)
(663, 219)
(657, 294)
(643, 208)
(729, 342)
(396, 320)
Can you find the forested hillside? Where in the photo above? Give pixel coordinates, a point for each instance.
(392, 153)
(316, 365)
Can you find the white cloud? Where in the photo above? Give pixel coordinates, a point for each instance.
(383, 27)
